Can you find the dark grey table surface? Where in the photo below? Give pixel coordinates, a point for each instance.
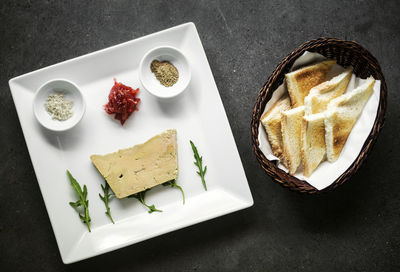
(354, 228)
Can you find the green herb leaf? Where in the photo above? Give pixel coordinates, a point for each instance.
(199, 164)
(140, 196)
(82, 202)
(106, 198)
(75, 204)
(173, 184)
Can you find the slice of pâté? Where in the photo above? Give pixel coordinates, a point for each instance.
(132, 170)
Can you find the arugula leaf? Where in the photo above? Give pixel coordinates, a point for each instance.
(199, 164)
(105, 198)
(173, 184)
(82, 202)
(140, 196)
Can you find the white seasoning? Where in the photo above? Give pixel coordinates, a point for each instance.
(59, 107)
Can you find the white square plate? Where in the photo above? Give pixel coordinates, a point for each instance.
(198, 115)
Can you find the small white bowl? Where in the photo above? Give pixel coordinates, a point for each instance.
(71, 92)
(149, 80)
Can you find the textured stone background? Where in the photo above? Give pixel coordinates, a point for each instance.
(355, 228)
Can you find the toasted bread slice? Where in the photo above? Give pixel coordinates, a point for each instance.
(313, 142)
(318, 98)
(342, 114)
(271, 120)
(300, 82)
(291, 137)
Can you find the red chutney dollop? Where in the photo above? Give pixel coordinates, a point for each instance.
(122, 101)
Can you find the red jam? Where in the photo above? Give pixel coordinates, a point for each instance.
(122, 101)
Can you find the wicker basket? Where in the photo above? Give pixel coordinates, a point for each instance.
(345, 53)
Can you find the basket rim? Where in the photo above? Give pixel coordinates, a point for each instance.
(265, 93)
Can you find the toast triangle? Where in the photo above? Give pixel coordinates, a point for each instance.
(342, 114)
(291, 137)
(313, 142)
(299, 82)
(271, 121)
(319, 97)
